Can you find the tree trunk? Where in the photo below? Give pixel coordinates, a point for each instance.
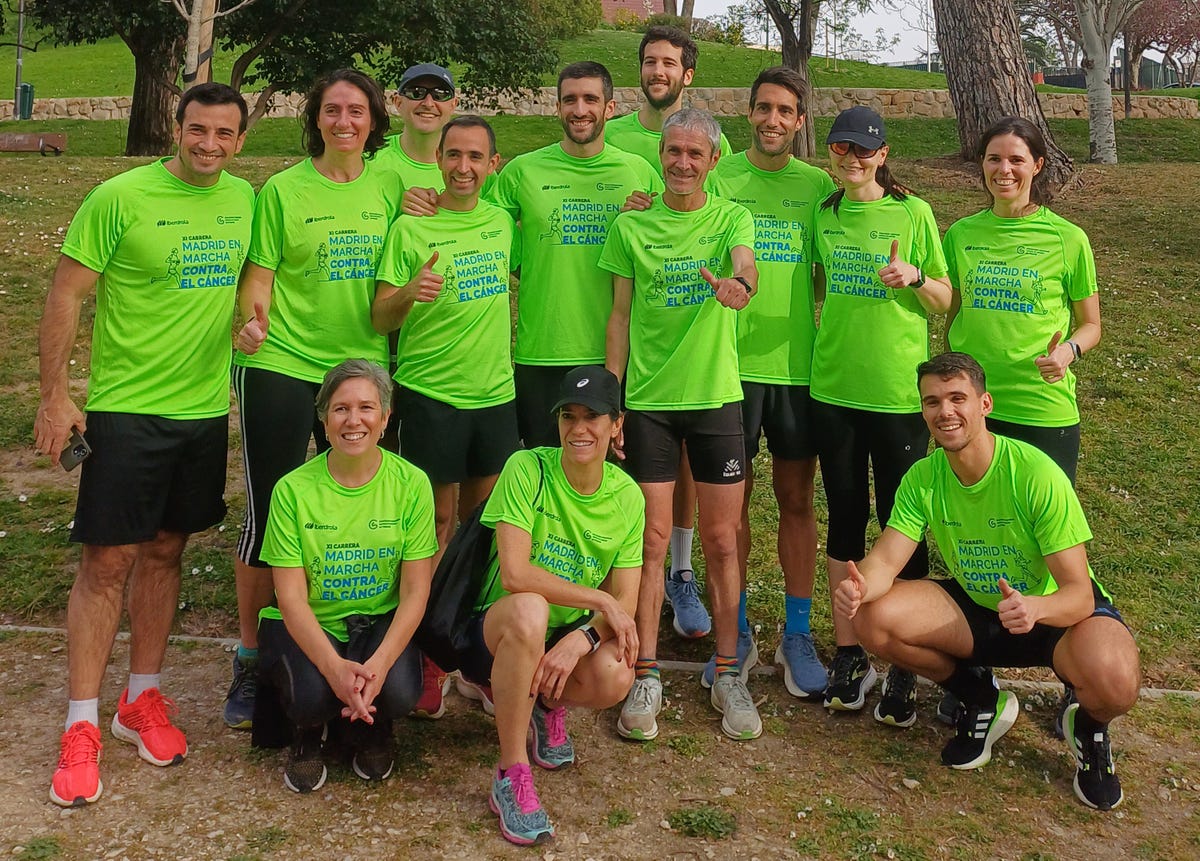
(1135, 69)
(984, 61)
(1098, 25)
(796, 40)
(687, 10)
(156, 58)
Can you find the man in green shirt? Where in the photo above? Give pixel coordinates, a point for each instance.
(565, 196)
(1022, 593)
(775, 341)
(164, 243)
(443, 282)
(681, 269)
(426, 101)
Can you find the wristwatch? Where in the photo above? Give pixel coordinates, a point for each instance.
(1074, 349)
(920, 282)
(593, 636)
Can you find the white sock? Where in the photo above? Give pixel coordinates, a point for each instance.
(141, 682)
(681, 548)
(88, 710)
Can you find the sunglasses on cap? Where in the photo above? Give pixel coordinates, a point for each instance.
(417, 93)
(843, 147)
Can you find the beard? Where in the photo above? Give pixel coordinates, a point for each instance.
(673, 91)
(596, 132)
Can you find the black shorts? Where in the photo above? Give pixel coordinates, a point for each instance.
(537, 393)
(476, 663)
(715, 444)
(1061, 444)
(855, 445)
(278, 416)
(996, 647)
(450, 444)
(148, 473)
(784, 413)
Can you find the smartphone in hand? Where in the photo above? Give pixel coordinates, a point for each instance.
(76, 452)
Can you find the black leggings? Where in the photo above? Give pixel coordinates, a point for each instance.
(848, 440)
(307, 698)
(1061, 444)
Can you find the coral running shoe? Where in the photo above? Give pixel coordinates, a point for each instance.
(146, 722)
(77, 778)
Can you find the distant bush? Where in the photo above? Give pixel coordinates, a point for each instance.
(566, 19)
(722, 28)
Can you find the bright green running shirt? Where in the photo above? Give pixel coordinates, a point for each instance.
(776, 331)
(168, 254)
(1004, 525)
(1017, 278)
(629, 134)
(412, 173)
(350, 541)
(872, 337)
(579, 538)
(565, 206)
(682, 341)
(323, 240)
(456, 348)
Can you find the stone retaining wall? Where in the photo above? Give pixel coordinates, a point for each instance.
(722, 101)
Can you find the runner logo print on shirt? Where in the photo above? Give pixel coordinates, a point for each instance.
(678, 283)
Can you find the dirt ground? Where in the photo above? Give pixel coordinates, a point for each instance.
(814, 786)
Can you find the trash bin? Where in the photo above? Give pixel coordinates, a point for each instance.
(25, 104)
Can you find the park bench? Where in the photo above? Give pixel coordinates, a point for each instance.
(46, 144)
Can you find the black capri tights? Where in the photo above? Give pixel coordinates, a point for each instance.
(848, 440)
(307, 698)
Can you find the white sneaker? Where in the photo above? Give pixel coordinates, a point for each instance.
(642, 705)
(732, 699)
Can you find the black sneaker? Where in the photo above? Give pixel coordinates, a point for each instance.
(1068, 699)
(978, 728)
(1096, 781)
(374, 755)
(850, 677)
(238, 711)
(897, 704)
(305, 770)
(947, 710)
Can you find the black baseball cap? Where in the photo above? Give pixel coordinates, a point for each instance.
(426, 70)
(594, 386)
(858, 125)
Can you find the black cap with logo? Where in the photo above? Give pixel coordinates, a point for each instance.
(593, 386)
(858, 125)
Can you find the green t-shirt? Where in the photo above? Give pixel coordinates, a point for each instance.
(682, 341)
(579, 538)
(168, 254)
(1017, 278)
(456, 349)
(412, 173)
(628, 133)
(776, 331)
(872, 337)
(350, 541)
(565, 206)
(1004, 525)
(323, 240)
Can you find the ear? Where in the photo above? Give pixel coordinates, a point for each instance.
(986, 404)
(1037, 168)
(688, 74)
(610, 109)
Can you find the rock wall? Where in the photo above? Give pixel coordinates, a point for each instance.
(722, 101)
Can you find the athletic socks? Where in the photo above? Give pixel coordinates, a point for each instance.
(646, 668)
(140, 683)
(86, 710)
(246, 656)
(726, 664)
(681, 549)
(796, 615)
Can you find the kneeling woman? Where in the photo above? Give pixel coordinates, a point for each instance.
(569, 541)
(350, 540)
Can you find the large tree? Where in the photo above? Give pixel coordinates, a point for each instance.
(981, 50)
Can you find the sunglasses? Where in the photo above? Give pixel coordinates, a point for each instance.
(843, 147)
(417, 93)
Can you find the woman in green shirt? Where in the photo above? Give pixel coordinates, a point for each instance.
(1025, 303)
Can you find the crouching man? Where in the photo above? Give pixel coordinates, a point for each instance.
(1012, 532)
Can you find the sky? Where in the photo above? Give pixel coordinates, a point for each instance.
(912, 42)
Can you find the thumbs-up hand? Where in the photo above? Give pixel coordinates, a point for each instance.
(254, 333)
(1015, 611)
(728, 291)
(898, 274)
(428, 284)
(1053, 365)
(850, 592)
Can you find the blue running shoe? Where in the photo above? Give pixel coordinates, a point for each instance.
(239, 702)
(549, 745)
(803, 673)
(691, 619)
(522, 819)
(747, 655)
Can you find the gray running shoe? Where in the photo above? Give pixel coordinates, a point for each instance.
(740, 718)
(642, 705)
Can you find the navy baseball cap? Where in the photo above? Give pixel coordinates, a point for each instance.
(858, 125)
(426, 70)
(594, 386)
